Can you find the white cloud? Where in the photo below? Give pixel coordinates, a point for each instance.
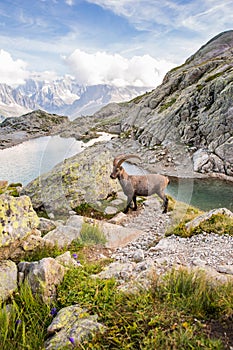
(198, 15)
(114, 69)
(69, 2)
(47, 76)
(12, 72)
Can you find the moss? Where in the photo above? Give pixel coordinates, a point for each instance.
(200, 87)
(167, 105)
(219, 224)
(85, 209)
(214, 76)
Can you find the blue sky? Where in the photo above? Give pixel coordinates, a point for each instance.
(121, 42)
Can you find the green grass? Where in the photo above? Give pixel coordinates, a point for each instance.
(91, 234)
(167, 105)
(218, 223)
(24, 326)
(173, 314)
(214, 76)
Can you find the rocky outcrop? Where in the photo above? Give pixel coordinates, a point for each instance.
(15, 130)
(18, 221)
(193, 106)
(43, 277)
(207, 216)
(83, 179)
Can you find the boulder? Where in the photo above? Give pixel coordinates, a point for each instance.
(67, 260)
(81, 179)
(46, 225)
(43, 277)
(200, 158)
(62, 236)
(70, 327)
(18, 222)
(8, 279)
(206, 216)
(116, 235)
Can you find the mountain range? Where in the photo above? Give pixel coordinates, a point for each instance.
(62, 96)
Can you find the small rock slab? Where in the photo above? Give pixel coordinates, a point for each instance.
(206, 216)
(70, 327)
(8, 279)
(116, 235)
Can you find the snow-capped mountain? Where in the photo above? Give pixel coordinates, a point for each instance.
(61, 96)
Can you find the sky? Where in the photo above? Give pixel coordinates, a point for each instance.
(119, 42)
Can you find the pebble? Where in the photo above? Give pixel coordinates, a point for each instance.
(210, 250)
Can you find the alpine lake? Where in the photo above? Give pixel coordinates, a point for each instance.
(28, 160)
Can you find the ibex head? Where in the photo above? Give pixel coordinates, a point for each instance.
(117, 164)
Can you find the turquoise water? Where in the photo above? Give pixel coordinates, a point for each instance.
(205, 194)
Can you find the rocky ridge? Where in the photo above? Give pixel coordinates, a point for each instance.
(15, 130)
(192, 107)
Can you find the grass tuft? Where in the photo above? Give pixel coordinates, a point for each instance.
(91, 234)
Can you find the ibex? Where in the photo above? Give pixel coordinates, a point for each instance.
(139, 185)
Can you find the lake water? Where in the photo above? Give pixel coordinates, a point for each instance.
(28, 160)
(205, 194)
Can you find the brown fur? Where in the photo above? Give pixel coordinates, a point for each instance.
(139, 185)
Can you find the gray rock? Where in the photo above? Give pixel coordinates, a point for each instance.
(67, 260)
(8, 279)
(70, 327)
(46, 225)
(75, 221)
(200, 158)
(138, 255)
(227, 269)
(83, 178)
(18, 222)
(206, 216)
(110, 210)
(120, 271)
(62, 236)
(118, 219)
(15, 130)
(43, 277)
(116, 235)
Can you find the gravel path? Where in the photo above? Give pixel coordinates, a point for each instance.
(209, 250)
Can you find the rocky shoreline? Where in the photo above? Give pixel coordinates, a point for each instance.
(174, 160)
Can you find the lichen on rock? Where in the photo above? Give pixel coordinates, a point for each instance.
(83, 178)
(18, 219)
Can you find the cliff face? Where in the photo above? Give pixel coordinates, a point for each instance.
(193, 106)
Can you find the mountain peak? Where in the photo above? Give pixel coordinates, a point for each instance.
(220, 46)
